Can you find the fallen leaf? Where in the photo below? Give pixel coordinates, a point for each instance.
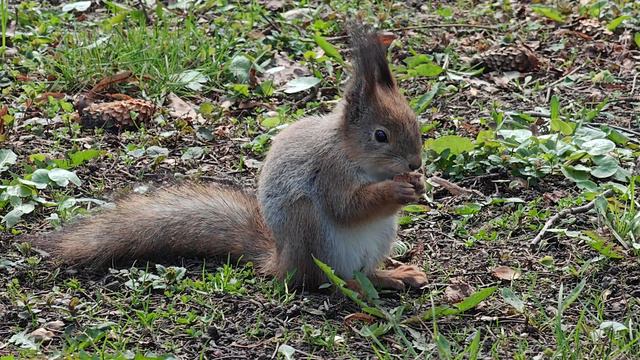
(55, 325)
(455, 293)
(506, 273)
(42, 335)
(359, 316)
(181, 109)
(109, 81)
(284, 70)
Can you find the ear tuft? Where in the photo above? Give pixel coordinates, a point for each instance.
(369, 50)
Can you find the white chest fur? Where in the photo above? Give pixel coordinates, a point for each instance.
(360, 248)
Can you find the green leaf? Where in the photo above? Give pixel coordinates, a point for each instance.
(329, 49)
(240, 67)
(598, 146)
(206, 108)
(63, 177)
(606, 166)
(512, 299)
(474, 348)
(454, 143)
(474, 299)
(427, 70)
(194, 152)
(573, 296)
(557, 124)
(613, 25)
(338, 282)
(301, 84)
(367, 287)
(270, 122)
(571, 173)
(422, 103)
(7, 158)
(636, 38)
(79, 157)
(600, 245)
(416, 209)
(413, 61)
(548, 12)
(13, 217)
(192, 79)
(519, 135)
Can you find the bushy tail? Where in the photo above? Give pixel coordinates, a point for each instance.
(189, 220)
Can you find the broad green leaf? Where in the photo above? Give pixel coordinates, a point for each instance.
(79, 157)
(598, 146)
(427, 70)
(548, 12)
(157, 151)
(329, 49)
(512, 299)
(194, 152)
(613, 25)
(191, 79)
(519, 135)
(240, 67)
(13, 217)
(206, 108)
(574, 174)
(301, 84)
(7, 158)
(454, 143)
(636, 38)
(63, 177)
(414, 61)
(270, 122)
(605, 167)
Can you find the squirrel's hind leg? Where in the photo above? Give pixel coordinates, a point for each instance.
(400, 276)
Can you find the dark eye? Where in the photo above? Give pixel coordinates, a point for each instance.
(380, 136)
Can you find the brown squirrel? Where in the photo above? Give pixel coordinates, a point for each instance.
(330, 188)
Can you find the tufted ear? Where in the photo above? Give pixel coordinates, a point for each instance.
(370, 69)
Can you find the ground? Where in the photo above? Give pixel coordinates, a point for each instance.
(529, 114)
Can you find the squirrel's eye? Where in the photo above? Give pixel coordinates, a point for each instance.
(380, 136)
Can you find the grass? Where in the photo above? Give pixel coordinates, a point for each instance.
(518, 140)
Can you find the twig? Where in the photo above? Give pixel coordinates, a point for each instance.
(564, 213)
(454, 189)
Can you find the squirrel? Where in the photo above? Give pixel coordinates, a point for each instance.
(330, 187)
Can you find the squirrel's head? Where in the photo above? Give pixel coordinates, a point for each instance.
(381, 129)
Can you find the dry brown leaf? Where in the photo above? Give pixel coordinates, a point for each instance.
(55, 325)
(283, 71)
(455, 293)
(181, 109)
(45, 96)
(110, 80)
(42, 335)
(506, 273)
(359, 316)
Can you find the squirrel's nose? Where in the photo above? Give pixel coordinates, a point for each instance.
(415, 163)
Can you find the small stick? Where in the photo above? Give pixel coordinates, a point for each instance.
(454, 189)
(564, 213)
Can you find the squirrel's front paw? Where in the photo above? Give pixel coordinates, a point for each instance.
(402, 192)
(417, 180)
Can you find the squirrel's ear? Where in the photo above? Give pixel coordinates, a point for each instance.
(370, 68)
